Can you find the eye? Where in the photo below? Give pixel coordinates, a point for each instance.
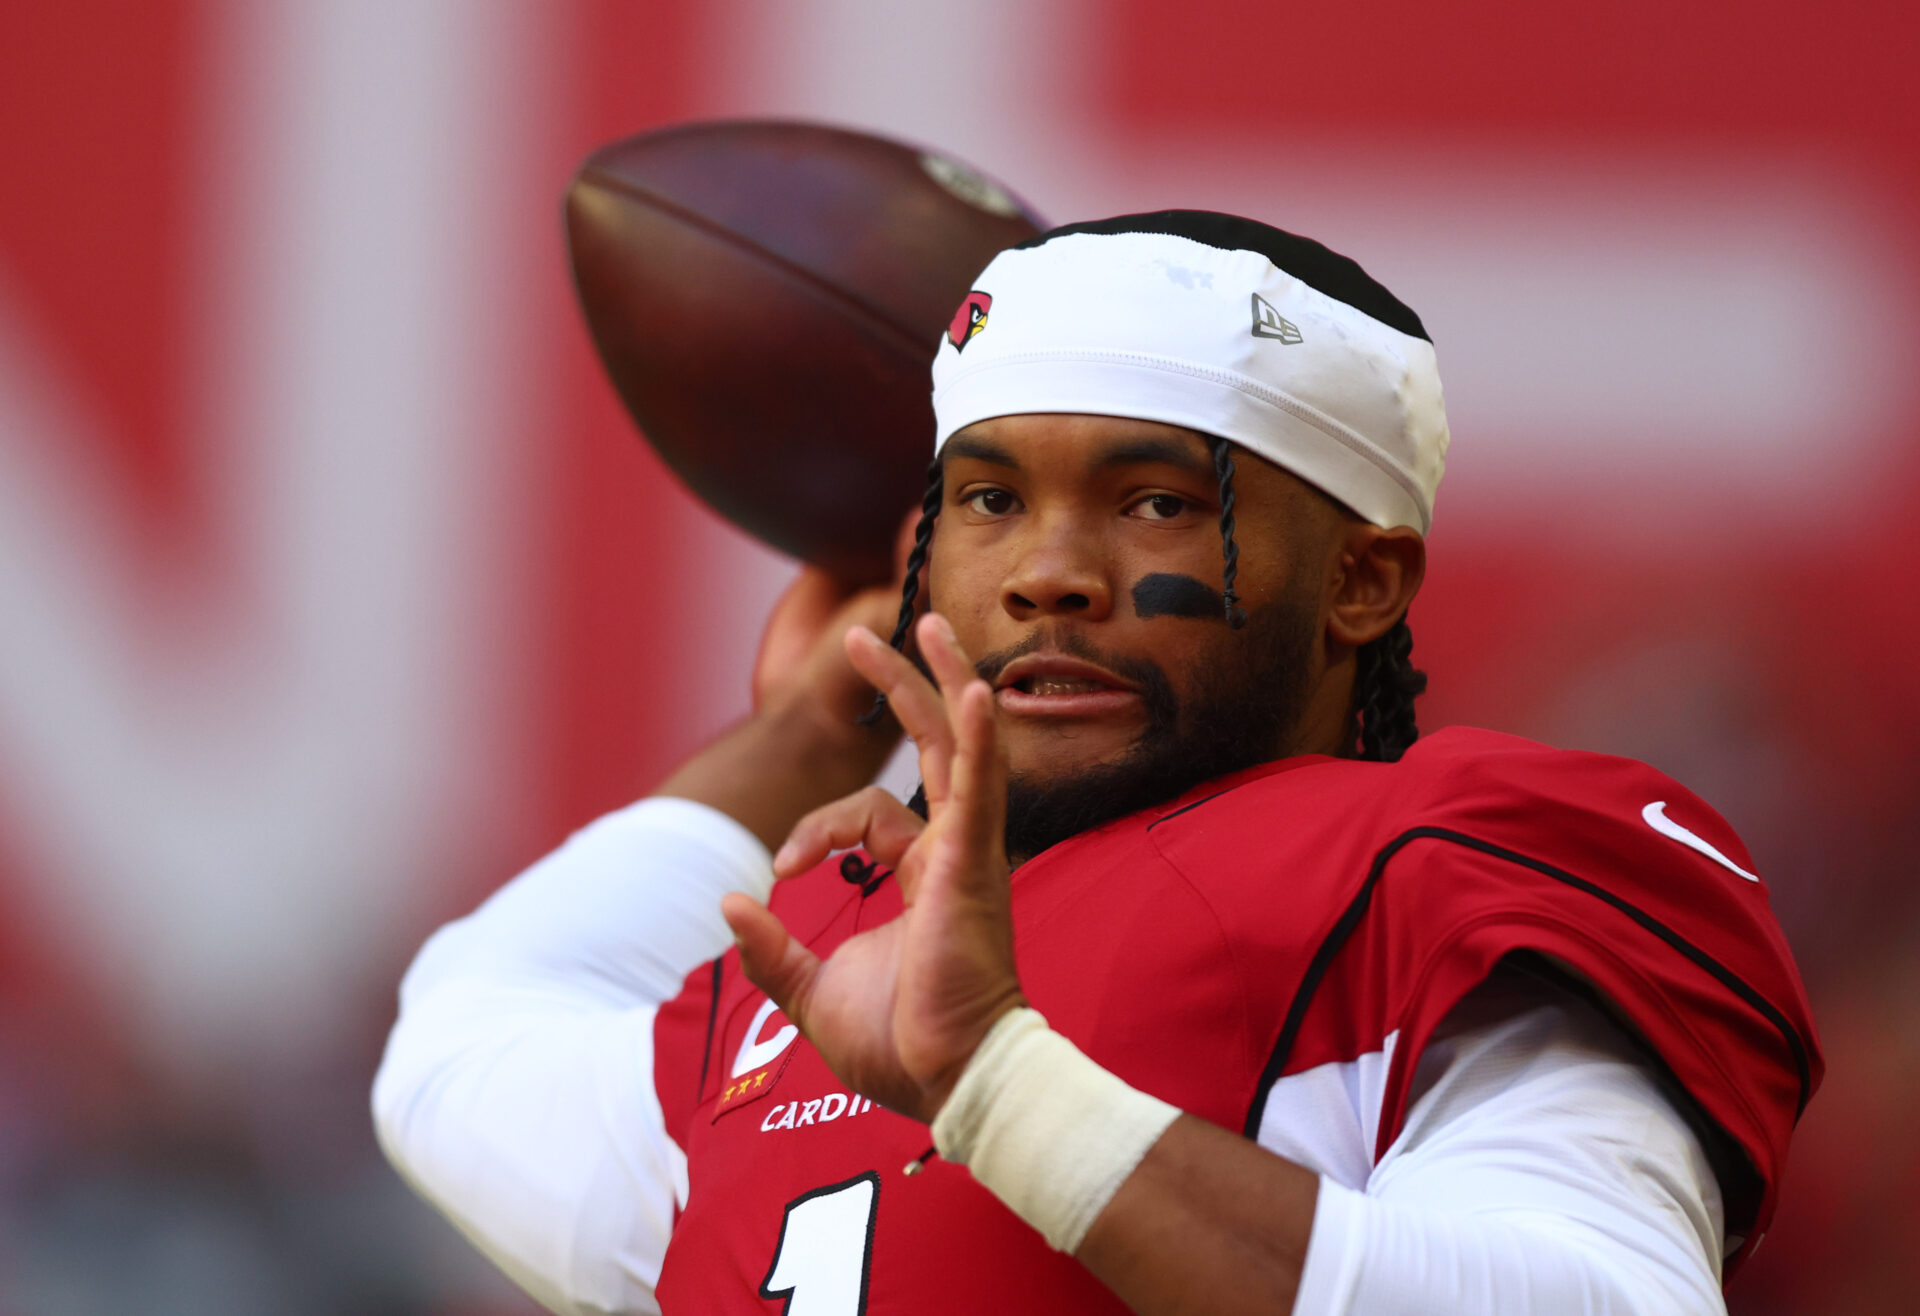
(1159, 507)
(989, 502)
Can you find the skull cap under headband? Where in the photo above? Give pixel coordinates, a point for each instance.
(1218, 324)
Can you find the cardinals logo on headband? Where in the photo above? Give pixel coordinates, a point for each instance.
(970, 319)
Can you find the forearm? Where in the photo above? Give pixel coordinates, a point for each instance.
(775, 767)
(1543, 1169)
(1247, 1222)
(1242, 1216)
(1173, 1213)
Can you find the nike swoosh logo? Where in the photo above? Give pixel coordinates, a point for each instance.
(1656, 817)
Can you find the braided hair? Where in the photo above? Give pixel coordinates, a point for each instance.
(1229, 550)
(1385, 684)
(1385, 680)
(916, 560)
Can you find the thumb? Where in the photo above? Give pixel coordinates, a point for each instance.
(771, 957)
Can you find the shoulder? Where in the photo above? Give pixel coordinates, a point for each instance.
(1414, 880)
(1604, 865)
(1478, 788)
(1610, 818)
(1484, 786)
(1466, 773)
(1626, 881)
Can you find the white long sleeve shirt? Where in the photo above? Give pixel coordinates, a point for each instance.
(1542, 1168)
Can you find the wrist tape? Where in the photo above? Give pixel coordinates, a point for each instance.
(1046, 1130)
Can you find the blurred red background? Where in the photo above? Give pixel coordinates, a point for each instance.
(335, 587)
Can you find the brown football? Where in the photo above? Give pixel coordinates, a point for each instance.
(767, 298)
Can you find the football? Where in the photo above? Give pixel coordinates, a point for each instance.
(767, 298)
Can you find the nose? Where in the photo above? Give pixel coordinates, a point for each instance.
(1060, 572)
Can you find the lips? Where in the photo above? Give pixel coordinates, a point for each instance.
(1052, 674)
(1053, 685)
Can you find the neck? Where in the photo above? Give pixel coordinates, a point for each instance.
(1326, 724)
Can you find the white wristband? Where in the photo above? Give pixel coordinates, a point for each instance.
(1046, 1130)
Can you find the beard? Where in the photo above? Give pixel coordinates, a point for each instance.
(1248, 696)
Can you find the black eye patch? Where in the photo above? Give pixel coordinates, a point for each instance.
(1164, 594)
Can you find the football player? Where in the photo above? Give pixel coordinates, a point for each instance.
(1194, 981)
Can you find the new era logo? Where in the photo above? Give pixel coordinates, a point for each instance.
(1269, 323)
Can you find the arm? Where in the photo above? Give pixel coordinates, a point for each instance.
(517, 1091)
(1541, 1168)
(803, 746)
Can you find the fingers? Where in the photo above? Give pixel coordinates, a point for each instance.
(978, 798)
(927, 714)
(970, 715)
(974, 814)
(915, 703)
(871, 818)
(773, 960)
(941, 648)
(797, 619)
(801, 653)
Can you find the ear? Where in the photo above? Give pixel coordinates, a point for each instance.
(1376, 574)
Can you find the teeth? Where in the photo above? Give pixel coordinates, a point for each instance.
(1061, 685)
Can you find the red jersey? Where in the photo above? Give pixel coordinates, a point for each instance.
(1212, 949)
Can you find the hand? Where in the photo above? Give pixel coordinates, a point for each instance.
(898, 1010)
(801, 650)
(803, 745)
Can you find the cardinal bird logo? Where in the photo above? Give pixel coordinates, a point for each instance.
(970, 319)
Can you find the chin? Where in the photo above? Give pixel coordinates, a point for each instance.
(1065, 752)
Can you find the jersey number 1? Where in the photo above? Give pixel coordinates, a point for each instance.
(826, 1248)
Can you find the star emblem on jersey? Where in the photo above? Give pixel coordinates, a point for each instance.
(760, 1062)
(1269, 323)
(970, 319)
(742, 1090)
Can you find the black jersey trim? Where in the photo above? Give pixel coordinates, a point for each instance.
(1204, 799)
(1339, 277)
(713, 1020)
(1316, 970)
(1741, 1185)
(1357, 908)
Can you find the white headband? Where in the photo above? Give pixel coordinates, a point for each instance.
(1216, 338)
